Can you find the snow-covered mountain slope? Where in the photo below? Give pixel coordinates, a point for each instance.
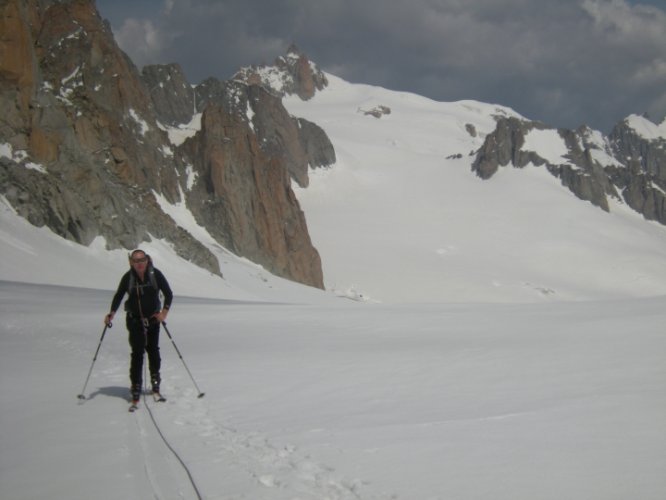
(646, 129)
(36, 255)
(401, 217)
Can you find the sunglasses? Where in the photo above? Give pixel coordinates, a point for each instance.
(139, 260)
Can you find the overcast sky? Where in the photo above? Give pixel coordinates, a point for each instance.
(564, 62)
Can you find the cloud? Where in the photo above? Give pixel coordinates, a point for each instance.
(620, 22)
(564, 63)
(142, 40)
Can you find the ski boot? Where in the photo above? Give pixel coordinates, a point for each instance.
(155, 383)
(135, 393)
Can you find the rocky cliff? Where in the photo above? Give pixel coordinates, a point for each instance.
(290, 74)
(86, 148)
(628, 165)
(641, 177)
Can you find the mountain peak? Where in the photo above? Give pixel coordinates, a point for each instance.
(291, 74)
(643, 126)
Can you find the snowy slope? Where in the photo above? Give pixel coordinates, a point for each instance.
(400, 218)
(346, 401)
(646, 129)
(36, 255)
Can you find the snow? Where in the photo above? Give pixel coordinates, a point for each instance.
(35, 166)
(74, 74)
(178, 135)
(506, 340)
(143, 125)
(338, 401)
(249, 114)
(600, 149)
(646, 129)
(6, 150)
(400, 220)
(549, 144)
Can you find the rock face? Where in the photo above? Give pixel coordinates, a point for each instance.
(642, 179)
(299, 143)
(377, 111)
(85, 148)
(504, 146)
(626, 166)
(290, 74)
(171, 94)
(242, 191)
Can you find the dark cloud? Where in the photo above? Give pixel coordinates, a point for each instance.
(565, 63)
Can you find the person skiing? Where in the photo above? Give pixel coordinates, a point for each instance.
(143, 284)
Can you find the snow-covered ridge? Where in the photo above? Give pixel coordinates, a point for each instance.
(646, 129)
(402, 217)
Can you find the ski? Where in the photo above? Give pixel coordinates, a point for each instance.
(158, 398)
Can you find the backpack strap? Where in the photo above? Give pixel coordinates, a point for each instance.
(151, 279)
(132, 282)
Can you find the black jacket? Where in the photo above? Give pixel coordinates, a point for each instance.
(144, 298)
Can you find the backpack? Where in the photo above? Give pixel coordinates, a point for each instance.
(151, 279)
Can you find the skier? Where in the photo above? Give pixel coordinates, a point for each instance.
(143, 284)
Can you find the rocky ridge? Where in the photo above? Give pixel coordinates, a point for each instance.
(628, 165)
(290, 74)
(85, 147)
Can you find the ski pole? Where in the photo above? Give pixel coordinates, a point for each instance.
(82, 396)
(201, 394)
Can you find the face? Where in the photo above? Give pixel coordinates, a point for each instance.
(139, 261)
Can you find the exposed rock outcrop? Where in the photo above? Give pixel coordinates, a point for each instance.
(625, 166)
(290, 74)
(642, 179)
(377, 111)
(89, 126)
(170, 92)
(300, 143)
(504, 146)
(84, 150)
(243, 194)
(318, 148)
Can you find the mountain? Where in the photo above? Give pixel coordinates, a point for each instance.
(640, 148)
(410, 212)
(406, 198)
(87, 149)
(629, 165)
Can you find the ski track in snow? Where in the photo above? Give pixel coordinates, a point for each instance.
(257, 469)
(545, 402)
(271, 472)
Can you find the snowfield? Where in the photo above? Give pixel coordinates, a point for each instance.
(495, 340)
(338, 401)
(401, 217)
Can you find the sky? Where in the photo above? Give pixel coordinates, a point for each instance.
(565, 63)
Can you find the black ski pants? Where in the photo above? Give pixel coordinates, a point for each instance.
(143, 338)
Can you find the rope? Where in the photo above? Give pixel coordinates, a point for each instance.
(164, 439)
(145, 400)
(173, 451)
